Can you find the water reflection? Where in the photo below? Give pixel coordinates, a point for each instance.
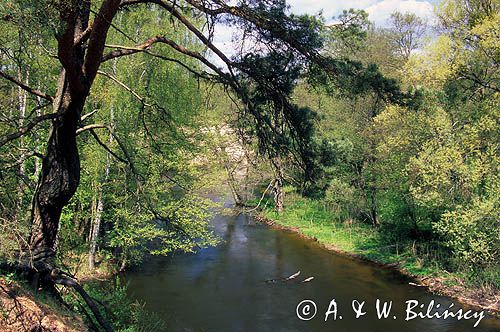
(224, 288)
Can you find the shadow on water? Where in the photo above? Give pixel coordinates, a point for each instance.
(224, 289)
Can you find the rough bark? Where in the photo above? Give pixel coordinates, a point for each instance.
(60, 173)
(59, 179)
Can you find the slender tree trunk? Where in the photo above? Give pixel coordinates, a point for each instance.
(95, 229)
(233, 185)
(38, 164)
(96, 225)
(22, 102)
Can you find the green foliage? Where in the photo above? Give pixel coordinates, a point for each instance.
(313, 218)
(150, 186)
(182, 226)
(473, 232)
(340, 198)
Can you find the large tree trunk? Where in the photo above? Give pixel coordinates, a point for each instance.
(60, 174)
(59, 179)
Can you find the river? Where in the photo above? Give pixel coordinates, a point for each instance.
(224, 288)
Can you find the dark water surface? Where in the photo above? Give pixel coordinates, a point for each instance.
(223, 288)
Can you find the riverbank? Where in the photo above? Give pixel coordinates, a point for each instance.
(361, 241)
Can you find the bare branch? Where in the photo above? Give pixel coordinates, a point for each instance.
(84, 36)
(144, 48)
(27, 88)
(127, 50)
(127, 160)
(22, 159)
(88, 115)
(61, 279)
(186, 23)
(90, 127)
(203, 74)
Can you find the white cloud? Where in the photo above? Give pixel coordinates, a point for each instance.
(380, 12)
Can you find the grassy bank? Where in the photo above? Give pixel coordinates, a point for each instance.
(423, 259)
(314, 221)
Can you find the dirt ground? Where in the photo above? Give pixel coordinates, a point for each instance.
(20, 312)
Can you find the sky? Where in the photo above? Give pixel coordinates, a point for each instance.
(378, 11)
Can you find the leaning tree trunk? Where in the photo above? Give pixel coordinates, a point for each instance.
(278, 192)
(58, 181)
(238, 201)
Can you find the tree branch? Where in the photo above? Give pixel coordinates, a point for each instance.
(88, 115)
(84, 36)
(123, 85)
(23, 130)
(186, 23)
(101, 143)
(89, 127)
(144, 48)
(27, 88)
(61, 279)
(97, 38)
(127, 50)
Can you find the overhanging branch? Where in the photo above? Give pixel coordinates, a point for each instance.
(107, 148)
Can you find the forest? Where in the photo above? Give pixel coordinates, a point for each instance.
(121, 121)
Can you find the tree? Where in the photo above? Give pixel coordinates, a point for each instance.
(406, 32)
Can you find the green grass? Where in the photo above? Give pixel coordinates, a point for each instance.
(312, 219)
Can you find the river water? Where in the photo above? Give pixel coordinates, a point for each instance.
(224, 288)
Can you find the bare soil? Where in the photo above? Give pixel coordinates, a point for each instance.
(20, 311)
